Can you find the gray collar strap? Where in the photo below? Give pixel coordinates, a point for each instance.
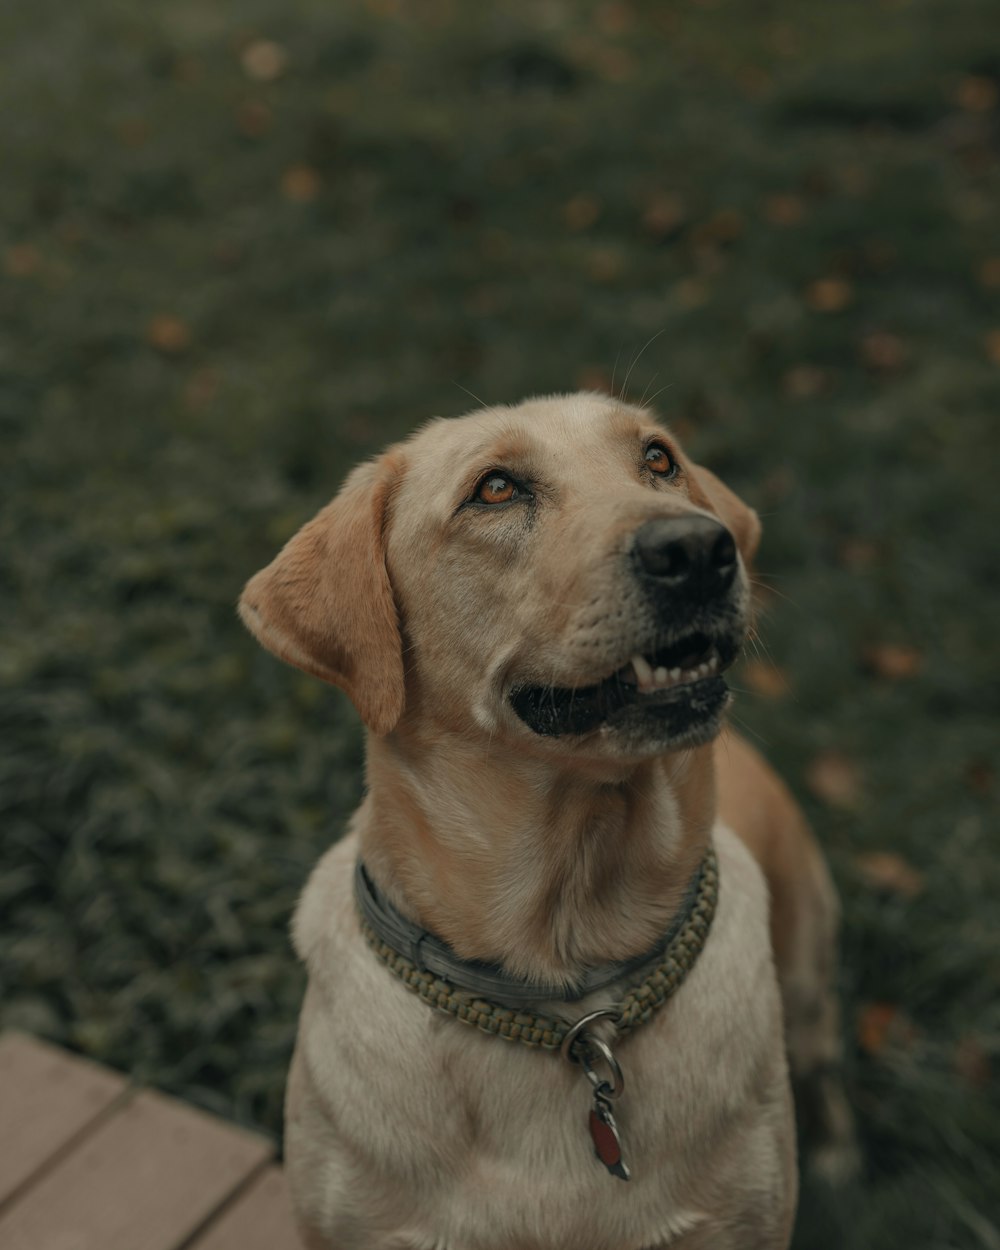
(429, 954)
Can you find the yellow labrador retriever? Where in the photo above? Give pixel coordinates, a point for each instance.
(532, 608)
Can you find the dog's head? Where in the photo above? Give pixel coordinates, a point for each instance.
(556, 573)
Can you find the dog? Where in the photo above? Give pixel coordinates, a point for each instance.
(532, 609)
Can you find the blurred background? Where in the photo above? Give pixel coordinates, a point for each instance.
(244, 244)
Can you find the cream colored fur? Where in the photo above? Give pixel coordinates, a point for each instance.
(405, 1129)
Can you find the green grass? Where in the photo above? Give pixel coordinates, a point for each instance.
(219, 291)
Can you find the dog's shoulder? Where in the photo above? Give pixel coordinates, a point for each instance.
(325, 914)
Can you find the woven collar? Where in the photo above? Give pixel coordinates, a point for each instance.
(430, 968)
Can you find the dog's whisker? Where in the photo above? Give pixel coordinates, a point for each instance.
(638, 357)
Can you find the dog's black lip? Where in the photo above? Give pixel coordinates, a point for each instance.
(574, 710)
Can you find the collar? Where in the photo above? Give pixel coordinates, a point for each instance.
(390, 933)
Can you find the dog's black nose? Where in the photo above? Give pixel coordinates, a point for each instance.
(687, 553)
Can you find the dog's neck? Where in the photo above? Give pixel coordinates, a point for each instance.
(541, 868)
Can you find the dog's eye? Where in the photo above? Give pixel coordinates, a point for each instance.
(496, 488)
(659, 460)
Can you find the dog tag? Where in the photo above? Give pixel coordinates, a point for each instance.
(604, 1134)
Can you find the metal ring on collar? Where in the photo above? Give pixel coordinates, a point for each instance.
(602, 1089)
(574, 1031)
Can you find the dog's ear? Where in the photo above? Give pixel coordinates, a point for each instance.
(325, 603)
(740, 519)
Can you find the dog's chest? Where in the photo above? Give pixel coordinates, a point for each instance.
(464, 1139)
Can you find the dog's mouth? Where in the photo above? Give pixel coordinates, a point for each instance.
(674, 693)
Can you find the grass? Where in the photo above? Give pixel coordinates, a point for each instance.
(245, 245)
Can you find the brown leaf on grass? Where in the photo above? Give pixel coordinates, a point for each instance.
(615, 18)
(993, 346)
(829, 295)
(880, 1025)
(835, 779)
(253, 119)
(989, 273)
(264, 60)
(892, 660)
(168, 334)
(606, 264)
(21, 260)
(883, 352)
(805, 381)
(977, 94)
(691, 292)
(766, 679)
(885, 870)
(201, 388)
(784, 209)
(300, 184)
(972, 1062)
(979, 776)
(858, 554)
(581, 211)
(725, 226)
(663, 214)
(614, 64)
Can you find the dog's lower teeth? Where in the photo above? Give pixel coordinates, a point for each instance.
(649, 680)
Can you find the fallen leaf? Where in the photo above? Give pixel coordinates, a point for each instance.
(581, 211)
(692, 292)
(606, 264)
(168, 334)
(784, 209)
(300, 184)
(21, 260)
(979, 776)
(664, 214)
(972, 1062)
(264, 60)
(883, 1024)
(993, 346)
(989, 273)
(201, 388)
(858, 554)
(885, 870)
(893, 661)
(883, 352)
(134, 132)
(829, 294)
(614, 64)
(615, 18)
(805, 381)
(977, 94)
(766, 679)
(253, 119)
(726, 226)
(835, 778)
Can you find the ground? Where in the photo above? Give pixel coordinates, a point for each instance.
(246, 244)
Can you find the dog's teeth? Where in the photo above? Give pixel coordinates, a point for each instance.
(674, 674)
(713, 664)
(643, 672)
(661, 676)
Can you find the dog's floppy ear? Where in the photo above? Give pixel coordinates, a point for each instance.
(325, 603)
(741, 521)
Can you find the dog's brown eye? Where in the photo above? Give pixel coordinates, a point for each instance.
(659, 460)
(495, 488)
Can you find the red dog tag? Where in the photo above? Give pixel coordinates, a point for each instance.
(607, 1143)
